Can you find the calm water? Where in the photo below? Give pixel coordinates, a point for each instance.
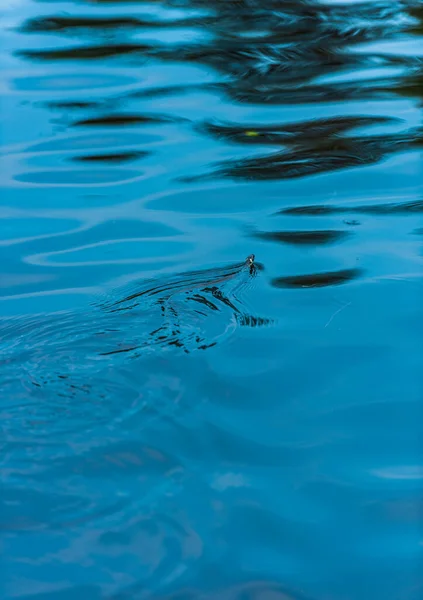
(177, 423)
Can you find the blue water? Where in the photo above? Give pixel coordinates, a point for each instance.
(178, 422)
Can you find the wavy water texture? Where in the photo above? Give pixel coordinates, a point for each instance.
(171, 427)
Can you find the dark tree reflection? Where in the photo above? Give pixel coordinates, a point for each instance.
(269, 52)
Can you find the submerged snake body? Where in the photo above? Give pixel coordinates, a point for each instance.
(187, 312)
(188, 305)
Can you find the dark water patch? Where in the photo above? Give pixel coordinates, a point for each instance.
(86, 52)
(416, 11)
(324, 155)
(307, 238)
(121, 120)
(411, 85)
(317, 279)
(293, 133)
(268, 55)
(122, 157)
(79, 25)
(67, 24)
(291, 165)
(277, 55)
(312, 211)
(394, 208)
(73, 105)
(336, 92)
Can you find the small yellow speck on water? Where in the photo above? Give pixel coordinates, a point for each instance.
(251, 133)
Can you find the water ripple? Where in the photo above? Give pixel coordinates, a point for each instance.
(171, 427)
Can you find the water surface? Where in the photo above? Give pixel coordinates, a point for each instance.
(174, 423)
